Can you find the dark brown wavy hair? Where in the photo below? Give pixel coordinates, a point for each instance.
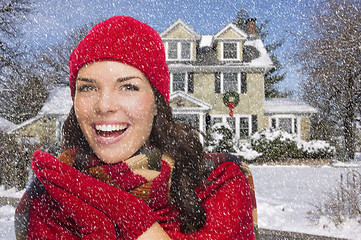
(181, 141)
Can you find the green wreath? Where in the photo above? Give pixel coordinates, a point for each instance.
(231, 97)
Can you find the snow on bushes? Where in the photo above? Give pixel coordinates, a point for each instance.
(266, 145)
(277, 145)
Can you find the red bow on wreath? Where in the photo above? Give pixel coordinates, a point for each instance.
(231, 100)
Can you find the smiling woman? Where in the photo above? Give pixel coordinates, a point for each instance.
(127, 170)
(115, 106)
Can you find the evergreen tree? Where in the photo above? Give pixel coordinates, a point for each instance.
(273, 76)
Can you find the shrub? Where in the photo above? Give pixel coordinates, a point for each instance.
(343, 203)
(221, 139)
(276, 145)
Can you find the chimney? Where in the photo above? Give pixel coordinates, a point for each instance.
(251, 26)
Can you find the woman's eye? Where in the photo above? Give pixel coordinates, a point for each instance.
(86, 88)
(130, 87)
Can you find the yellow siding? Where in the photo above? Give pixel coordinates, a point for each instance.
(42, 129)
(250, 103)
(230, 34)
(204, 87)
(194, 56)
(305, 128)
(219, 51)
(179, 32)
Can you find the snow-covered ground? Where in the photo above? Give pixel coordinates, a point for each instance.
(285, 195)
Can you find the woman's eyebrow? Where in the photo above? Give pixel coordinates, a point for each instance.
(86, 80)
(123, 79)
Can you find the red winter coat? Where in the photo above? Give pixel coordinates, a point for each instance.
(225, 197)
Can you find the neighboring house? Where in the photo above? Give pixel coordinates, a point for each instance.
(45, 128)
(203, 69)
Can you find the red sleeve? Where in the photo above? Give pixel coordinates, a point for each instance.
(44, 220)
(227, 202)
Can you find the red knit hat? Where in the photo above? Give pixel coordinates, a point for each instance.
(127, 40)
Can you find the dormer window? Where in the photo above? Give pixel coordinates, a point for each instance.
(179, 51)
(230, 51)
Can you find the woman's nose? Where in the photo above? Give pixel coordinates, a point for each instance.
(106, 103)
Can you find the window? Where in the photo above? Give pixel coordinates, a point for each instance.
(186, 50)
(240, 124)
(230, 81)
(243, 127)
(172, 50)
(181, 82)
(232, 123)
(179, 50)
(287, 124)
(230, 51)
(190, 119)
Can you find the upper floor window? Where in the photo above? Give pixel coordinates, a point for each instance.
(181, 82)
(179, 50)
(230, 51)
(231, 81)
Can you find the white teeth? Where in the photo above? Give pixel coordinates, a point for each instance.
(110, 128)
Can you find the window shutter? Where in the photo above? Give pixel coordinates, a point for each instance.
(217, 82)
(190, 82)
(254, 124)
(243, 82)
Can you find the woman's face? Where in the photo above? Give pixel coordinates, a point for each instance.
(115, 107)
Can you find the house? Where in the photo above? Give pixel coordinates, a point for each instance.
(213, 79)
(46, 127)
(220, 78)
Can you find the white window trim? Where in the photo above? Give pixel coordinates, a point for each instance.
(171, 82)
(237, 117)
(179, 51)
(293, 117)
(238, 82)
(238, 52)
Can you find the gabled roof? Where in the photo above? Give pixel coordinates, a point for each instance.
(58, 103)
(234, 29)
(184, 25)
(274, 106)
(188, 103)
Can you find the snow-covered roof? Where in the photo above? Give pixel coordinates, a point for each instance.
(206, 41)
(287, 106)
(6, 125)
(59, 102)
(263, 60)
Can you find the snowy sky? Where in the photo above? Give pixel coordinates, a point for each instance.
(54, 18)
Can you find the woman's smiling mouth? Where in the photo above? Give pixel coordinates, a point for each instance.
(109, 133)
